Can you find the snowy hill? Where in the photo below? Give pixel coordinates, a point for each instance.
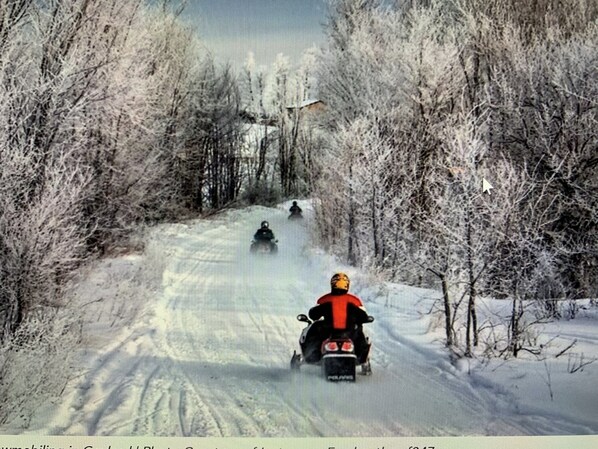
(208, 331)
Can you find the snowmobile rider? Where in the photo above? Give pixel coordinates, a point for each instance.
(264, 233)
(295, 209)
(342, 313)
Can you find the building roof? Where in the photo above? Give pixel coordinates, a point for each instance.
(304, 103)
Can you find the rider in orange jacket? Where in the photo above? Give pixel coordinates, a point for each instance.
(339, 307)
(342, 313)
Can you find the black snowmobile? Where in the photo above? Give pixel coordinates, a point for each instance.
(296, 215)
(263, 240)
(263, 247)
(334, 351)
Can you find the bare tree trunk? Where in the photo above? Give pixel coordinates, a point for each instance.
(351, 241)
(374, 217)
(263, 147)
(516, 314)
(448, 320)
(472, 327)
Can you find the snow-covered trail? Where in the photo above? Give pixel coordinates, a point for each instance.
(211, 355)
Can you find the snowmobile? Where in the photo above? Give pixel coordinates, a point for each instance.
(336, 355)
(263, 247)
(296, 215)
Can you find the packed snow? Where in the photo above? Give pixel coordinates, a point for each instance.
(194, 338)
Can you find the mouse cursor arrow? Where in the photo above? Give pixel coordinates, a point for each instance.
(486, 186)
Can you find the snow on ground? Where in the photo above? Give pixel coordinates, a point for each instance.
(557, 382)
(208, 351)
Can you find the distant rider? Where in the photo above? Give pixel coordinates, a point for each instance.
(264, 233)
(295, 209)
(342, 312)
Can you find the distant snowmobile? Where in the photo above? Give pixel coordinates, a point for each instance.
(296, 212)
(296, 216)
(264, 241)
(335, 354)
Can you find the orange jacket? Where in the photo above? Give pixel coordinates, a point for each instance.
(340, 307)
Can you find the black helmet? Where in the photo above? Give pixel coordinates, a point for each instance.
(265, 224)
(294, 203)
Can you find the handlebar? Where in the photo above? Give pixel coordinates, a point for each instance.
(303, 318)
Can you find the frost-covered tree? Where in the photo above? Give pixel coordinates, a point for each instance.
(434, 82)
(211, 167)
(273, 101)
(525, 267)
(404, 91)
(94, 106)
(459, 238)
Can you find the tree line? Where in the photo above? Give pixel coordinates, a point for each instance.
(425, 101)
(112, 116)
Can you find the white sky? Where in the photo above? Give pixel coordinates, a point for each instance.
(232, 28)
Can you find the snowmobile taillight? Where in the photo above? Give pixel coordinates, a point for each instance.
(347, 346)
(331, 346)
